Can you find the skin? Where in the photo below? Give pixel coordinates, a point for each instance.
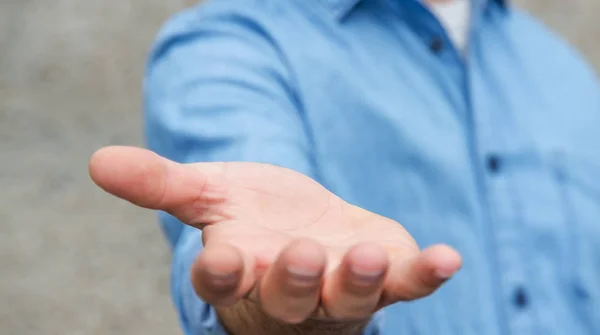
(279, 247)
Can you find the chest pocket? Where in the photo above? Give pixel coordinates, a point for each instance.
(552, 198)
(578, 179)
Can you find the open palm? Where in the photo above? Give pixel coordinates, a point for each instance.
(278, 238)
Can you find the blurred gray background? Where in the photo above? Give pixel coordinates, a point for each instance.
(72, 259)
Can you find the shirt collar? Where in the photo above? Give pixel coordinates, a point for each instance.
(341, 8)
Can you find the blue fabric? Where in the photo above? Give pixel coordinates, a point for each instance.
(495, 153)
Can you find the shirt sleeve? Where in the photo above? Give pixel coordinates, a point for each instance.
(218, 89)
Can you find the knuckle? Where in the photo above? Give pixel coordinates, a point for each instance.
(361, 291)
(291, 311)
(355, 310)
(298, 291)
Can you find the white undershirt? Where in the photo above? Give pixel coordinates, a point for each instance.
(455, 16)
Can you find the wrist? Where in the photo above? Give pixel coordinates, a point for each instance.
(247, 317)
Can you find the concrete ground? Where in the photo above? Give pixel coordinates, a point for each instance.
(72, 259)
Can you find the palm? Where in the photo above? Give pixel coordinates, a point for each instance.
(267, 207)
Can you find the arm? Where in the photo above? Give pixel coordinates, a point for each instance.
(217, 90)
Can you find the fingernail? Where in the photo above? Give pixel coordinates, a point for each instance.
(223, 279)
(444, 274)
(303, 275)
(365, 277)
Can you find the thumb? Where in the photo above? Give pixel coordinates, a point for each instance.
(150, 181)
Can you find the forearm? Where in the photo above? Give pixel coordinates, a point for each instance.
(246, 317)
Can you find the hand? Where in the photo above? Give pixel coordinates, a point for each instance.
(277, 238)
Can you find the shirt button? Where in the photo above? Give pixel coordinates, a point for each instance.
(437, 44)
(493, 163)
(581, 292)
(520, 298)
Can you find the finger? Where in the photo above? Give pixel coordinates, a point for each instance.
(420, 275)
(148, 180)
(221, 276)
(354, 289)
(290, 289)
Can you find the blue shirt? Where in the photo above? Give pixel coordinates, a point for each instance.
(496, 153)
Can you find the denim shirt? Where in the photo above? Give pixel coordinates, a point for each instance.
(495, 151)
